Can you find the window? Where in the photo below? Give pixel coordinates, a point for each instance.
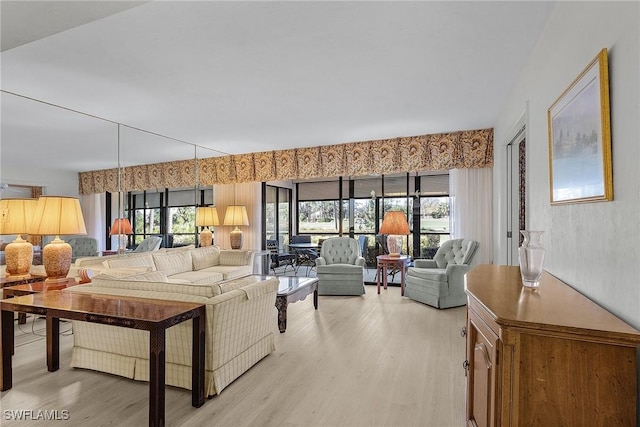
(169, 213)
(356, 207)
(277, 214)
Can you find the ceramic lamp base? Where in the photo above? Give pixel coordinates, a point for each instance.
(56, 257)
(394, 245)
(206, 237)
(18, 257)
(236, 239)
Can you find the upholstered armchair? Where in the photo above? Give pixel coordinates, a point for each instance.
(82, 246)
(439, 282)
(340, 268)
(151, 243)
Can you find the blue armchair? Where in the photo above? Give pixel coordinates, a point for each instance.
(82, 246)
(340, 268)
(151, 243)
(439, 282)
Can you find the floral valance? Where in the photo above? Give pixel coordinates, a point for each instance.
(455, 150)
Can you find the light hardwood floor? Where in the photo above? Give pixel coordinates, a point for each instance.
(376, 360)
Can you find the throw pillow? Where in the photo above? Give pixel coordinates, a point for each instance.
(130, 261)
(173, 263)
(205, 257)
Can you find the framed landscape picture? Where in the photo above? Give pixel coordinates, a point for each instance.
(580, 138)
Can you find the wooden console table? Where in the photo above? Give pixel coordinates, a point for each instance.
(545, 357)
(155, 316)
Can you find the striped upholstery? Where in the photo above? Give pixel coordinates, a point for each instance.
(239, 332)
(201, 266)
(173, 263)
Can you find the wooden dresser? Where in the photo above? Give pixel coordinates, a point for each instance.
(545, 357)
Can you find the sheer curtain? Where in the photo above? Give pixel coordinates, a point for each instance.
(471, 192)
(94, 216)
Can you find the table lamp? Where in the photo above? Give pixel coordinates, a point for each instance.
(236, 215)
(206, 216)
(56, 215)
(394, 225)
(121, 227)
(15, 218)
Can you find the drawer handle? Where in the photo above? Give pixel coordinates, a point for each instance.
(463, 332)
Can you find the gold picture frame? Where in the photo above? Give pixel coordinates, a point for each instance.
(580, 138)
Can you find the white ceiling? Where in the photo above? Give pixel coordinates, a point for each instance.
(239, 77)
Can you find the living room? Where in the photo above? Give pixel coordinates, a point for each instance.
(590, 246)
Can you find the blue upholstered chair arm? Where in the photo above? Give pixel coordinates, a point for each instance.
(321, 261)
(456, 274)
(360, 261)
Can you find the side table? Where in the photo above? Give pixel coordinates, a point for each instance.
(34, 288)
(386, 261)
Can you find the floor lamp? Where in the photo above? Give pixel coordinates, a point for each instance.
(15, 218)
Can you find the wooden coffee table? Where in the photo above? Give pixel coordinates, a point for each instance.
(150, 315)
(294, 289)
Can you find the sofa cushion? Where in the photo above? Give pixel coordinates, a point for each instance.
(130, 261)
(229, 272)
(235, 257)
(173, 262)
(121, 272)
(204, 257)
(168, 287)
(151, 276)
(198, 277)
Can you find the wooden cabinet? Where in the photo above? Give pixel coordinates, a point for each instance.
(545, 357)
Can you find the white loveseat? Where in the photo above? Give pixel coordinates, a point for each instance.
(240, 324)
(205, 265)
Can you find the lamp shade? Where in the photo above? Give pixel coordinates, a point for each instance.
(120, 226)
(207, 216)
(236, 215)
(15, 218)
(16, 215)
(395, 222)
(55, 215)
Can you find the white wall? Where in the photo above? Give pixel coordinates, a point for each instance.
(248, 194)
(594, 247)
(54, 182)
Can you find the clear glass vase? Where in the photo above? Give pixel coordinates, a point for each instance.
(531, 257)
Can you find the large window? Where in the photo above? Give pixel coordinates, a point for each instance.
(356, 207)
(169, 213)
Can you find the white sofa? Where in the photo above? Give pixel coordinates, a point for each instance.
(205, 265)
(241, 318)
